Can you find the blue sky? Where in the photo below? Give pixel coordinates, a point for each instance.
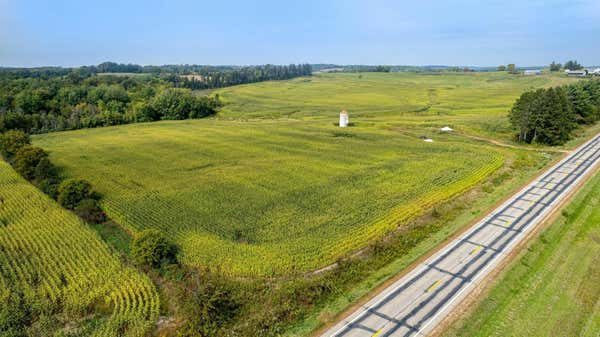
(462, 32)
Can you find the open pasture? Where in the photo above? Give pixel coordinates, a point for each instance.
(475, 103)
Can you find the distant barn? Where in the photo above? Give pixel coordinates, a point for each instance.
(532, 72)
(577, 73)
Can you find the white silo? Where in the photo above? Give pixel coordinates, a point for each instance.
(343, 119)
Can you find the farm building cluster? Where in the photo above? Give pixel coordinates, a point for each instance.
(583, 72)
(573, 73)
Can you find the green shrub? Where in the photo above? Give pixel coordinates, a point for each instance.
(151, 248)
(90, 211)
(50, 187)
(210, 305)
(12, 141)
(177, 103)
(73, 191)
(27, 160)
(44, 170)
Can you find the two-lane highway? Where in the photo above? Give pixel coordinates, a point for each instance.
(414, 304)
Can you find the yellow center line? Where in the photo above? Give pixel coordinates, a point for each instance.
(475, 250)
(433, 286)
(377, 333)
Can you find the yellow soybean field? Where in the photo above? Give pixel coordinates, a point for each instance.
(58, 268)
(267, 197)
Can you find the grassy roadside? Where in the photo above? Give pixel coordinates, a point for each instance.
(553, 288)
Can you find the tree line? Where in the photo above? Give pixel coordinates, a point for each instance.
(149, 249)
(549, 116)
(509, 68)
(34, 165)
(181, 76)
(569, 65)
(38, 100)
(113, 67)
(209, 78)
(38, 105)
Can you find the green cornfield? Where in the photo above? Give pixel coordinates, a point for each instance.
(60, 269)
(267, 198)
(272, 187)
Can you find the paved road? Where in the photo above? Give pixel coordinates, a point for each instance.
(414, 304)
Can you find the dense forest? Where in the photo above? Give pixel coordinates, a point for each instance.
(37, 105)
(38, 100)
(549, 116)
(208, 78)
(271, 71)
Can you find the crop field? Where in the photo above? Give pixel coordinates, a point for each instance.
(554, 288)
(58, 268)
(476, 103)
(272, 187)
(267, 198)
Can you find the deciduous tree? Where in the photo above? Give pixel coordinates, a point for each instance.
(573, 65)
(151, 248)
(555, 66)
(12, 141)
(27, 159)
(544, 116)
(73, 191)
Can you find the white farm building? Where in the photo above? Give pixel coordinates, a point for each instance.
(577, 73)
(532, 72)
(344, 119)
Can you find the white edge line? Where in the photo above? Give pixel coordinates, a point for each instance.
(534, 222)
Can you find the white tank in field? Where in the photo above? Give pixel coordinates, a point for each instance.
(344, 119)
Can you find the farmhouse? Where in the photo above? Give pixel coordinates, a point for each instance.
(331, 70)
(344, 119)
(532, 72)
